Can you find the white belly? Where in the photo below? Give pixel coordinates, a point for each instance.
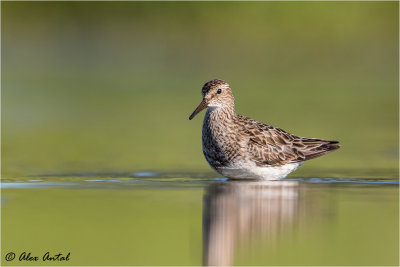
(260, 173)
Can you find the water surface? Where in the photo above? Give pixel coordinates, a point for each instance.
(152, 218)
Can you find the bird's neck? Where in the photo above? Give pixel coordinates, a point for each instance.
(221, 113)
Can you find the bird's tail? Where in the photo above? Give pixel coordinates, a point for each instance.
(318, 147)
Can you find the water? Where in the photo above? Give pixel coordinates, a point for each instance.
(153, 218)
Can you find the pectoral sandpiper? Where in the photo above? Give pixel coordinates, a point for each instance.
(242, 148)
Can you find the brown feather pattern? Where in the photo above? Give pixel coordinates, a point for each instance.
(229, 138)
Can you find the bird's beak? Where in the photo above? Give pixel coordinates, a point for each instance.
(202, 106)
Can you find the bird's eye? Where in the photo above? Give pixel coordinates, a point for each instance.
(219, 91)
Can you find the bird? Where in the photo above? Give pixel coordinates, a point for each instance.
(239, 147)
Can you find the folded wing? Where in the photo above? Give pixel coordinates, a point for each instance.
(268, 145)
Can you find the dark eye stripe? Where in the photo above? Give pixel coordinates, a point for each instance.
(219, 91)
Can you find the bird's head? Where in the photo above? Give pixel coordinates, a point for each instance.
(217, 94)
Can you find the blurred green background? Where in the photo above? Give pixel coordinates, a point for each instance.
(109, 86)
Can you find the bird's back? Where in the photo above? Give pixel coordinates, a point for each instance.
(268, 145)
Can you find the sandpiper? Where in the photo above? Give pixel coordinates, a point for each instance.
(241, 148)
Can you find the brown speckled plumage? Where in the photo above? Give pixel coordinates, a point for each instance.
(235, 142)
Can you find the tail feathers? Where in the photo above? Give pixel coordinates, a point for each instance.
(318, 147)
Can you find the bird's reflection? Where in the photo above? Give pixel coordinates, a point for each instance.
(237, 212)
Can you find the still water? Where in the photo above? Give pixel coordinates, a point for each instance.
(150, 218)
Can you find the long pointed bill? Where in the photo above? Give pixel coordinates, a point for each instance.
(202, 106)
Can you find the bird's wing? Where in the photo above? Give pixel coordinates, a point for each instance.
(268, 145)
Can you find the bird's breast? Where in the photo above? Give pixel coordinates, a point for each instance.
(220, 145)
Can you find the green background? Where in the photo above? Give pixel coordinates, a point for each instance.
(93, 90)
(109, 86)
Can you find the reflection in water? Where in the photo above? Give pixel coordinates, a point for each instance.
(237, 212)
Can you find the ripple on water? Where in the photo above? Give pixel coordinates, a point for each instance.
(159, 179)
